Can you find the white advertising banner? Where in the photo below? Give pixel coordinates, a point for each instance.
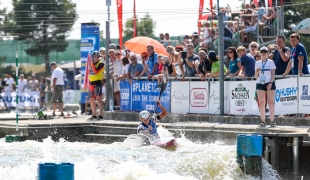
(214, 98)
(304, 95)
(286, 96)
(179, 97)
(241, 97)
(25, 99)
(198, 97)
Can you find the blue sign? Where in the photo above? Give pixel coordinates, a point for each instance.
(144, 95)
(125, 92)
(90, 41)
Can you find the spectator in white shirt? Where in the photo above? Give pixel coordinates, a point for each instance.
(57, 82)
(22, 84)
(9, 83)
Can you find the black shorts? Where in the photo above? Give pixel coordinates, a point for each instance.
(95, 89)
(264, 86)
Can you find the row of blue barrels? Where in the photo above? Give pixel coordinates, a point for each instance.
(54, 171)
(249, 154)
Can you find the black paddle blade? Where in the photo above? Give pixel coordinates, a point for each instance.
(163, 85)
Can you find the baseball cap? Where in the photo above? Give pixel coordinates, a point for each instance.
(53, 63)
(112, 46)
(264, 48)
(102, 49)
(212, 54)
(118, 47)
(21, 75)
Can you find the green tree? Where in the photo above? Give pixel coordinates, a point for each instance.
(295, 12)
(45, 24)
(145, 27)
(2, 21)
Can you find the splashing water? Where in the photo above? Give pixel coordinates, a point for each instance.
(126, 160)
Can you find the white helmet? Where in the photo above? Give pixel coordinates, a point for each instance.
(144, 115)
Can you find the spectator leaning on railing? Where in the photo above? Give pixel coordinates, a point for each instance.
(9, 81)
(299, 59)
(204, 66)
(188, 61)
(247, 63)
(152, 62)
(234, 62)
(215, 69)
(280, 55)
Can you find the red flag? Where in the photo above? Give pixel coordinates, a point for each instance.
(134, 19)
(85, 84)
(211, 7)
(270, 3)
(255, 2)
(200, 14)
(120, 21)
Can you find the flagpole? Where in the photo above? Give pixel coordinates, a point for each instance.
(16, 111)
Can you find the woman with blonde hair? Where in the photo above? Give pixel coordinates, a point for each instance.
(253, 48)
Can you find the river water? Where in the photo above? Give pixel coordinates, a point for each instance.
(125, 160)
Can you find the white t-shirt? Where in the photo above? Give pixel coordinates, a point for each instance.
(59, 74)
(177, 68)
(206, 34)
(9, 84)
(125, 69)
(117, 65)
(21, 85)
(266, 68)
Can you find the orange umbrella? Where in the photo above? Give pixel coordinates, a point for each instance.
(139, 44)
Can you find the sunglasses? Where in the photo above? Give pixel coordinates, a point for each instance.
(133, 58)
(202, 55)
(257, 56)
(144, 56)
(117, 54)
(229, 52)
(96, 56)
(253, 46)
(264, 51)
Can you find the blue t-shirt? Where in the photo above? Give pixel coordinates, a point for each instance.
(153, 59)
(248, 62)
(233, 66)
(300, 51)
(137, 68)
(278, 61)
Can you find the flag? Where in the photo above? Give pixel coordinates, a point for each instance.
(270, 3)
(200, 14)
(85, 84)
(134, 19)
(255, 2)
(120, 21)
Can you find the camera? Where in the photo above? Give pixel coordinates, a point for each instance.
(184, 54)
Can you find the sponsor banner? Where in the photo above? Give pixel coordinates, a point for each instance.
(179, 97)
(125, 92)
(71, 97)
(286, 96)
(304, 95)
(25, 99)
(241, 97)
(198, 97)
(90, 41)
(145, 95)
(214, 97)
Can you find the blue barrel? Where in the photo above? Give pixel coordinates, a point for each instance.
(249, 145)
(53, 171)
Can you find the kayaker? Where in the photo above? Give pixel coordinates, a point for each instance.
(148, 122)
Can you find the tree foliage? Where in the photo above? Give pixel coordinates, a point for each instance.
(45, 24)
(294, 12)
(2, 21)
(145, 27)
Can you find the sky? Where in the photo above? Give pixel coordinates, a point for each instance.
(176, 17)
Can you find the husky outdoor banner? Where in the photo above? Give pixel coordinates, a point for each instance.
(286, 96)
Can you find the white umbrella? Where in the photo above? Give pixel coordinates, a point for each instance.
(303, 27)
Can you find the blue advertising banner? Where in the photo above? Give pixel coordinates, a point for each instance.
(144, 95)
(125, 91)
(90, 41)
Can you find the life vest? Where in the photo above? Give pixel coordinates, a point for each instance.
(96, 76)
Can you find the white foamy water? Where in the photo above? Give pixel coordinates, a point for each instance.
(125, 160)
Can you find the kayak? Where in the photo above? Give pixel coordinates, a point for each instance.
(168, 144)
